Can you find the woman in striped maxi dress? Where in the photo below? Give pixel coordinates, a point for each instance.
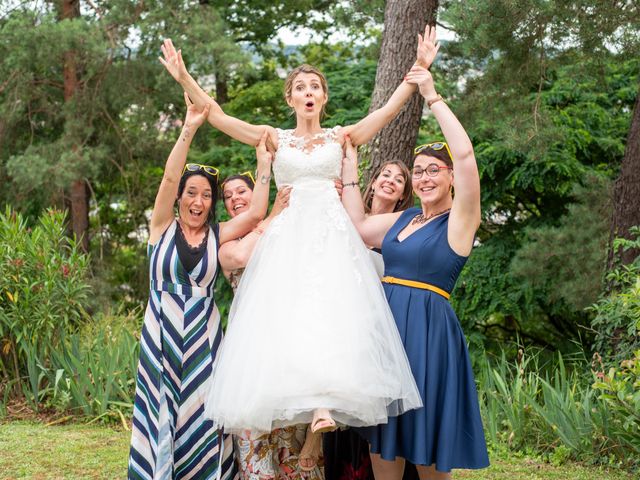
(171, 437)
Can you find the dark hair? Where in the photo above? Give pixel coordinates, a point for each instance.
(407, 194)
(245, 178)
(442, 155)
(213, 182)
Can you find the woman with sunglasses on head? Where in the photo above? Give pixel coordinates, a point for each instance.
(424, 250)
(171, 437)
(309, 284)
(237, 193)
(278, 455)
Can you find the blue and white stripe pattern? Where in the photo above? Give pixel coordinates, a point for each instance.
(171, 437)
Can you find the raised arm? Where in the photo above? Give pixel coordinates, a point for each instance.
(246, 221)
(372, 228)
(234, 255)
(464, 218)
(366, 129)
(163, 213)
(238, 129)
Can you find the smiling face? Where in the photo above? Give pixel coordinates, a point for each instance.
(431, 190)
(195, 202)
(237, 196)
(390, 184)
(307, 96)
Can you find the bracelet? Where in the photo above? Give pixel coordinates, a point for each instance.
(434, 100)
(350, 184)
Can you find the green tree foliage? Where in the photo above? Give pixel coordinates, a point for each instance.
(617, 314)
(546, 219)
(564, 263)
(545, 90)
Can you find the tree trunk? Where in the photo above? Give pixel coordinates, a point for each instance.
(78, 189)
(403, 20)
(222, 88)
(626, 195)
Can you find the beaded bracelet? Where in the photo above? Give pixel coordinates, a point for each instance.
(350, 184)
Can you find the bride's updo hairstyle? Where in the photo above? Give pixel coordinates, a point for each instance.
(305, 68)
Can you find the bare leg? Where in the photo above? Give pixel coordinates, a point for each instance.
(311, 450)
(430, 473)
(386, 469)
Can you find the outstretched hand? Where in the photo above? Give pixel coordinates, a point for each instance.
(428, 47)
(172, 61)
(195, 117)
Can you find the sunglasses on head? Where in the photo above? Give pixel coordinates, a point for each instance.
(243, 174)
(196, 167)
(248, 174)
(433, 146)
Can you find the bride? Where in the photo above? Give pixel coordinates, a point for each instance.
(311, 338)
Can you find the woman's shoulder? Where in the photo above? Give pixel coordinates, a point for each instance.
(155, 237)
(334, 134)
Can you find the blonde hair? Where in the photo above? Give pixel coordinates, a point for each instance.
(305, 68)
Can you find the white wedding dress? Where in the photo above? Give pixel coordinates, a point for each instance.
(310, 326)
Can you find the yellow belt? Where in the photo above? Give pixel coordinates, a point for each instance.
(413, 283)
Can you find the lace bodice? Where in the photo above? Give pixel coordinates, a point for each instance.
(297, 158)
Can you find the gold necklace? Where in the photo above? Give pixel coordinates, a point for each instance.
(421, 219)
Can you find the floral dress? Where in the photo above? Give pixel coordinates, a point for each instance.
(272, 456)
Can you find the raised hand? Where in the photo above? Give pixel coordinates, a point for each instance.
(350, 153)
(173, 62)
(427, 47)
(195, 117)
(422, 77)
(265, 157)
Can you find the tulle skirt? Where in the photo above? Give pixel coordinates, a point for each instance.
(310, 327)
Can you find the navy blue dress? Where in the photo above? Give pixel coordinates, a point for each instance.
(447, 431)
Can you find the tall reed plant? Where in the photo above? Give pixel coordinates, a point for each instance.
(563, 410)
(94, 376)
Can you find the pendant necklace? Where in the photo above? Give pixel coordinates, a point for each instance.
(422, 219)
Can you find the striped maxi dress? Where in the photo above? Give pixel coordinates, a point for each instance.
(171, 437)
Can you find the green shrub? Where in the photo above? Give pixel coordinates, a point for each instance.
(94, 375)
(43, 287)
(619, 390)
(554, 408)
(617, 315)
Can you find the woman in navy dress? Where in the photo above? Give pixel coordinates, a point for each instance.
(424, 250)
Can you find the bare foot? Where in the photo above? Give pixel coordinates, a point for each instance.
(322, 421)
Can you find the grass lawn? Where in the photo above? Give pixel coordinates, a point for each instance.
(32, 450)
(76, 451)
